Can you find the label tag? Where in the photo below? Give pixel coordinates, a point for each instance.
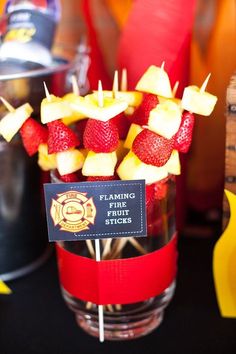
(95, 210)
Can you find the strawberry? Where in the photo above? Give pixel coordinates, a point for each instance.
(33, 134)
(151, 148)
(70, 177)
(79, 129)
(101, 136)
(100, 178)
(123, 124)
(60, 137)
(183, 137)
(141, 115)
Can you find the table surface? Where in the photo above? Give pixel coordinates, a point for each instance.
(35, 320)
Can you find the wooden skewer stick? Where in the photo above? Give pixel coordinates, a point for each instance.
(107, 247)
(115, 86)
(175, 88)
(204, 85)
(100, 95)
(137, 245)
(163, 66)
(124, 80)
(75, 87)
(90, 248)
(8, 106)
(47, 92)
(118, 247)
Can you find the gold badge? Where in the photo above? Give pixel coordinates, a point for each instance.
(73, 211)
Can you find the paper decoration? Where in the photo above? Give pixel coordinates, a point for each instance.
(4, 289)
(224, 264)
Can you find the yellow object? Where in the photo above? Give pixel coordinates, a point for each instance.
(4, 289)
(132, 168)
(155, 80)
(69, 161)
(165, 119)
(197, 101)
(12, 121)
(45, 161)
(134, 130)
(74, 102)
(53, 108)
(110, 108)
(173, 164)
(133, 98)
(121, 150)
(99, 164)
(224, 264)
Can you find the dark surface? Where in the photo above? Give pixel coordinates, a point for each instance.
(34, 319)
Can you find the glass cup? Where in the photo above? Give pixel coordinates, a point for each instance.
(129, 320)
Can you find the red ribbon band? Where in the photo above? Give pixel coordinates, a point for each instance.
(119, 281)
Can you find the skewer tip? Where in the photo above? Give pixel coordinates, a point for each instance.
(204, 85)
(46, 92)
(124, 81)
(8, 106)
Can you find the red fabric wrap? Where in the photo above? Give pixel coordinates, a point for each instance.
(119, 281)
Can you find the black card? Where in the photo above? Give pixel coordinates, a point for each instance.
(90, 210)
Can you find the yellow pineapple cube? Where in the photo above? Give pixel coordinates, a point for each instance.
(69, 161)
(165, 119)
(54, 108)
(155, 80)
(99, 164)
(45, 161)
(111, 107)
(173, 164)
(134, 130)
(196, 101)
(132, 168)
(133, 98)
(12, 121)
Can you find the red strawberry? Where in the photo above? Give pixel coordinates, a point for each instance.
(70, 177)
(151, 148)
(183, 137)
(60, 137)
(123, 124)
(100, 178)
(101, 136)
(79, 129)
(33, 134)
(141, 114)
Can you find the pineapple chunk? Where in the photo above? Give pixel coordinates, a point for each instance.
(74, 102)
(111, 107)
(165, 119)
(45, 161)
(121, 151)
(132, 168)
(196, 101)
(99, 164)
(12, 121)
(53, 109)
(134, 130)
(155, 80)
(133, 98)
(173, 164)
(69, 161)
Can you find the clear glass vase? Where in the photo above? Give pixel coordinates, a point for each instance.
(123, 321)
